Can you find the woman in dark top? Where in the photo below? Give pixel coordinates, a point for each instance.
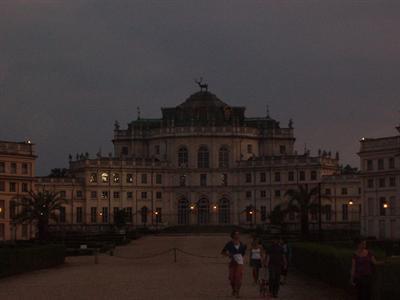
(235, 250)
(361, 270)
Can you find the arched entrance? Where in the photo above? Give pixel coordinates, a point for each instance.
(224, 211)
(203, 211)
(183, 212)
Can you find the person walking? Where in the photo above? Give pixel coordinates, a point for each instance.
(276, 261)
(235, 250)
(361, 270)
(287, 253)
(256, 253)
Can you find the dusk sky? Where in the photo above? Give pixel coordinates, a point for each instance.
(69, 69)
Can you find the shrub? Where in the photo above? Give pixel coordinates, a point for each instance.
(332, 264)
(19, 259)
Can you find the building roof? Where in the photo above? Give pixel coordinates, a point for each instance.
(202, 99)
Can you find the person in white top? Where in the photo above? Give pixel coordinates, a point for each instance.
(256, 255)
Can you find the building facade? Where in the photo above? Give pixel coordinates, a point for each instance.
(17, 178)
(203, 162)
(380, 173)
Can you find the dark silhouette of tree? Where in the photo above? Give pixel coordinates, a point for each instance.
(303, 200)
(120, 218)
(39, 208)
(277, 215)
(58, 172)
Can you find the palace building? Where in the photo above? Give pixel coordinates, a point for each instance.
(202, 162)
(380, 174)
(17, 178)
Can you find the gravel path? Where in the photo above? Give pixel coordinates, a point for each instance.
(123, 277)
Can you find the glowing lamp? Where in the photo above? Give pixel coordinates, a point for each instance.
(251, 212)
(191, 207)
(214, 207)
(385, 205)
(351, 202)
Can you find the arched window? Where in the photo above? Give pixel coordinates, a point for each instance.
(183, 157)
(203, 211)
(203, 157)
(183, 212)
(223, 157)
(143, 213)
(224, 211)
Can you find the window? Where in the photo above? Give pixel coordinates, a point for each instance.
(158, 179)
(392, 206)
(104, 195)
(263, 177)
(24, 168)
(391, 163)
(143, 213)
(203, 157)
(93, 178)
(104, 177)
(2, 167)
(224, 179)
(313, 212)
(223, 157)
(370, 183)
(158, 195)
(248, 178)
(144, 178)
(203, 179)
(381, 164)
(24, 187)
(344, 191)
(370, 165)
(328, 192)
(129, 195)
(144, 195)
(12, 187)
(277, 193)
(115, 213)
(104, 215)
(249, 148)
(2, 186)
(63, 194)
(382, 182)
(93, 214)
(183, 157)
(115, 177)
(328, 212)
(79, 194)
(291, 176)
(248, 194)
(158, 214)
(24, 231)
(282, 149)
(392, 181)
(345, 212)
(277, 176)
(93, 194)
(62, 214)
(2, 231)
(313, 175)
(157, 149)
(124, 150)
(116, 195)
(13, 168)
(302, 176)
(371, 204)
(129, 214)
(129, 178)
(182, 180)
(263, 193)
(79, 215)
(263, 213)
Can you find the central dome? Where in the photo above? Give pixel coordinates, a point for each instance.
(202, 99)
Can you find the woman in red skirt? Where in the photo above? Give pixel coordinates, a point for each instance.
(235, 250)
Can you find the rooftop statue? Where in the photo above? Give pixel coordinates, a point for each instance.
(201, 84)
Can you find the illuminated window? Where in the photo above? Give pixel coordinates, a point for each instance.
(104, 195)
(115, 177)
(129, 178)
(104, 177)
(93, 178)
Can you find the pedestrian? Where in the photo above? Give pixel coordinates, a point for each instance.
(361, 270)
(276, 261)
(287, 253)
(255, 258)
(235, 250)
(263, 281)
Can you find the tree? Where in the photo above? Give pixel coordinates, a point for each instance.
(120, 218)
(302, 201)
(277, 215)
(39, 208)
(58, 172)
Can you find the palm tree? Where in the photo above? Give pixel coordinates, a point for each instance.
(39, 208)
(302, 201)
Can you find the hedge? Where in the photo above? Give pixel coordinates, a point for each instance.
(19, 259)
(332, 265)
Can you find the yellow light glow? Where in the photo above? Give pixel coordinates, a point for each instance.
(156, 213)
(192, 207)
(385, 205)
(215, 207)
(251, 212)
(1, 209)
(351, 202)
(101, 214)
